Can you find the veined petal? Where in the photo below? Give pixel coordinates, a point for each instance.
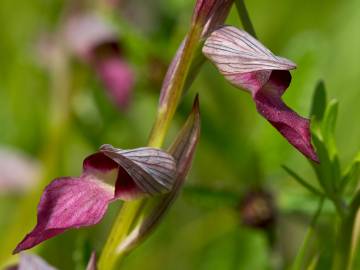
(235, 52)
(152, 170)
(249, 65)
(68, 203)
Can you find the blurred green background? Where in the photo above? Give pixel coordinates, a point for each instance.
(58, 117)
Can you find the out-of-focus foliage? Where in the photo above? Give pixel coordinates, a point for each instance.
(238, 151)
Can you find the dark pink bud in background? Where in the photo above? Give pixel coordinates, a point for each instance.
(108, 175)
(96, 42)
(247, 64)
(257, 209)
(115, 73)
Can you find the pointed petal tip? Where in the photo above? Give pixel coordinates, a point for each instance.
(92, 262)
(105, 147)
(308, 151)
(312, 155)
(196, 103)
(16, 250)
(286, 63)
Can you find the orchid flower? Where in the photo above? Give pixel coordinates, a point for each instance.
(95, 42)
(74, 202)
(249, 65)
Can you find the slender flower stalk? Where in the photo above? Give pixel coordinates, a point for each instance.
(343, 253)
(169, 102)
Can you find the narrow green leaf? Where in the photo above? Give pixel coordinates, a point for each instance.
(318, 105)
(300, 257)
(313, 263)
(302, 182)
(324, 169)
(328, 127)
(351, 176)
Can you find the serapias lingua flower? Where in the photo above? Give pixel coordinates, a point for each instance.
(109, 174)
(94, 41)
(249, 65)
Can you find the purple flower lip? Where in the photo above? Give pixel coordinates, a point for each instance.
(108, 175)
(249, 65)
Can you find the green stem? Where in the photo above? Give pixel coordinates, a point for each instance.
(299, 262)
(173, 94)
(130, 211)
(122, 225)
(244, 17)
(343, 252)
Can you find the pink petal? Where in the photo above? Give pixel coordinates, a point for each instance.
(77, 202)
(68, 203)
(249, 65)
(293, 127)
